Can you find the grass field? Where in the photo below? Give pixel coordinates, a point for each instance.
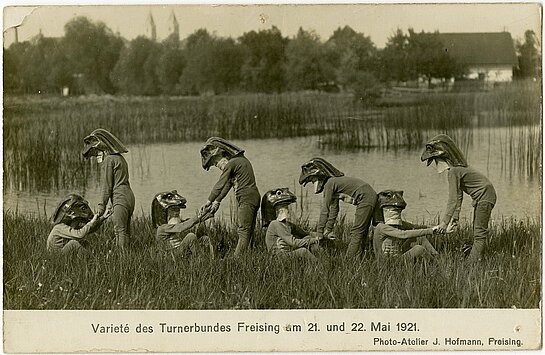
(148, 278)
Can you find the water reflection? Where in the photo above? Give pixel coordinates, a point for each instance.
(160, 167)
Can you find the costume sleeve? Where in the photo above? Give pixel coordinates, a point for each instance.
(289, 239)
(333, 213)
(68, 232)
(224, 184)
(297, 231)
(325, 210)
(107, 181)
(164, 231)
(455, 196)
(405, 234)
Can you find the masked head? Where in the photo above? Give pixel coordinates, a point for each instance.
(166, 205)
(72, 210)
(317, 171)
(274, 201)
(389, 205)
(217, 148)
(443, 147)
(100, 141)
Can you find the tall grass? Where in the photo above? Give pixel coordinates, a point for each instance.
(43, 136)
(147, 278)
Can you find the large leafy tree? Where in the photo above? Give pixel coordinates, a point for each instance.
(36, 66)
(263, 68)
(92, 51)
(529, 56)
(135, 72)
(306, 66)
(351, 54)
(394, 59)
(427, 57)
(170, 65)
(213, 64)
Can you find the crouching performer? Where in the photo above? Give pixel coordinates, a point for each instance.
(237, 172)
(395, 237)
(173, 231)
(335, 186)
(114, 182)
(442, 150)
(283, 238)
(74, 222)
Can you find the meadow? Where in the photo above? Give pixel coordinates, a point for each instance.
(43, 135)
(149, 278)
(42, 145)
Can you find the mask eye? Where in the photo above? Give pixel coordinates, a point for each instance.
(428, 148)
(278, 192)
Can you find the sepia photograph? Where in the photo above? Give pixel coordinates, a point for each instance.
(280, 177)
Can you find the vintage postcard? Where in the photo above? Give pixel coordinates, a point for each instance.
(282, 177)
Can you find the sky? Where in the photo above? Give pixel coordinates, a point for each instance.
(377, 21)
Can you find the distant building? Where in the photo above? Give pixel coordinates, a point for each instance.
(151, 28)
(488, 56)
(151, 31)
(173, 26)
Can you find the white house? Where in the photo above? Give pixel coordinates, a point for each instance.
(488, 56)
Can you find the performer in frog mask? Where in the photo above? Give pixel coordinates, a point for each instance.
(115, 186)
(284, 238)
(335, 186)
(173, 232)
(73, 223)
(393, 236)
(237, 173)
(442, 151)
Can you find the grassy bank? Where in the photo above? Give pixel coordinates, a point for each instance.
(43, 136)
(147, 278)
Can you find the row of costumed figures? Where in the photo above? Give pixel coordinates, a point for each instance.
(74, 220)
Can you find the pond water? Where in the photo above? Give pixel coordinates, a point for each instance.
(276, 162)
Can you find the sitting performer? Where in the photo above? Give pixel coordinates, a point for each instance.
(74, 221)
(172, 230)
(283, 238)
(395, 237)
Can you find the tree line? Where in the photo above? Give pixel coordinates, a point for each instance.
(90, 58)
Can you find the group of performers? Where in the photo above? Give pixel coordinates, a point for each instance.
(392, 237)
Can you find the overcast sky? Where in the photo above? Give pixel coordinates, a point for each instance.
(377, 21)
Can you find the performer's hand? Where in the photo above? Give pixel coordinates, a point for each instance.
(215, 206)
(106, 214)
(436, 229)
(442, 227)
(452, 226)
(204, 208)
(95, 218)
(100, 210)
(205, 214)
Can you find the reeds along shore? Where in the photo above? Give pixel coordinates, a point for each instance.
(147, 278)
(42, 136)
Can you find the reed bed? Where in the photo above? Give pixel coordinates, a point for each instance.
(43, 136)
(147, 278)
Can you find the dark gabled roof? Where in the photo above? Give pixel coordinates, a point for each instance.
(480, 48)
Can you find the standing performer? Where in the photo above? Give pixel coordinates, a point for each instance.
(335, 187)
(115, 181)
(237, 172)
(443, 151)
